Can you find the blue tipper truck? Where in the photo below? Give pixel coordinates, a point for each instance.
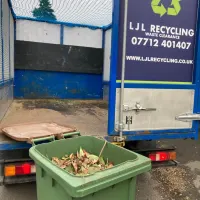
(154, 82)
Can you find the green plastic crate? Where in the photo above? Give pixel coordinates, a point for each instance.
(117, 183)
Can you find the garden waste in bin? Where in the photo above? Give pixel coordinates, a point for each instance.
(116, 183)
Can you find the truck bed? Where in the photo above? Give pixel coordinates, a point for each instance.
(90, 117)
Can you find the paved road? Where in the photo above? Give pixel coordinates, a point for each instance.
(179, 183)
(174, 183)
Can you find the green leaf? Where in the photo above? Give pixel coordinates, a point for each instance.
(81, 152)
(84, 170)
(78, 155)
(101, 161)
(65, 158)
(93, 157)
(69, 169)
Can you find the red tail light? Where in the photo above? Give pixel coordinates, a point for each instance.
(19, 169)
(23, 169)
(162, 156)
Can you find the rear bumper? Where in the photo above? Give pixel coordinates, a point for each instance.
(13, 156)
(164, 164)
(18, 180)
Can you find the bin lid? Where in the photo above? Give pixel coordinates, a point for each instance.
(27, 132)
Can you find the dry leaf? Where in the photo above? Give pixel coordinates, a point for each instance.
(71, 156)
(82, 163)
(86, 153)
(110, 165)
(75, 166)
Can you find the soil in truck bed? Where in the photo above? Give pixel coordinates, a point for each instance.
(88, 116)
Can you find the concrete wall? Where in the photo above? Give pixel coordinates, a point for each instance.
(37, 32)
(6, 58)
(83, 37)
(52, 33)
(72, 44)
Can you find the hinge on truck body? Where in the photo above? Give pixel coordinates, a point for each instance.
(188, 117)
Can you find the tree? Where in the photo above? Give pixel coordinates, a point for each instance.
(44, 11)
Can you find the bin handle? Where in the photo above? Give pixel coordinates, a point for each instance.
(50, 138)
(66, 135)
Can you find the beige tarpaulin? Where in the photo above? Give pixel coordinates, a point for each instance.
(27, 132)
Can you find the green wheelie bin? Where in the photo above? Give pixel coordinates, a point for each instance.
(116, 183)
